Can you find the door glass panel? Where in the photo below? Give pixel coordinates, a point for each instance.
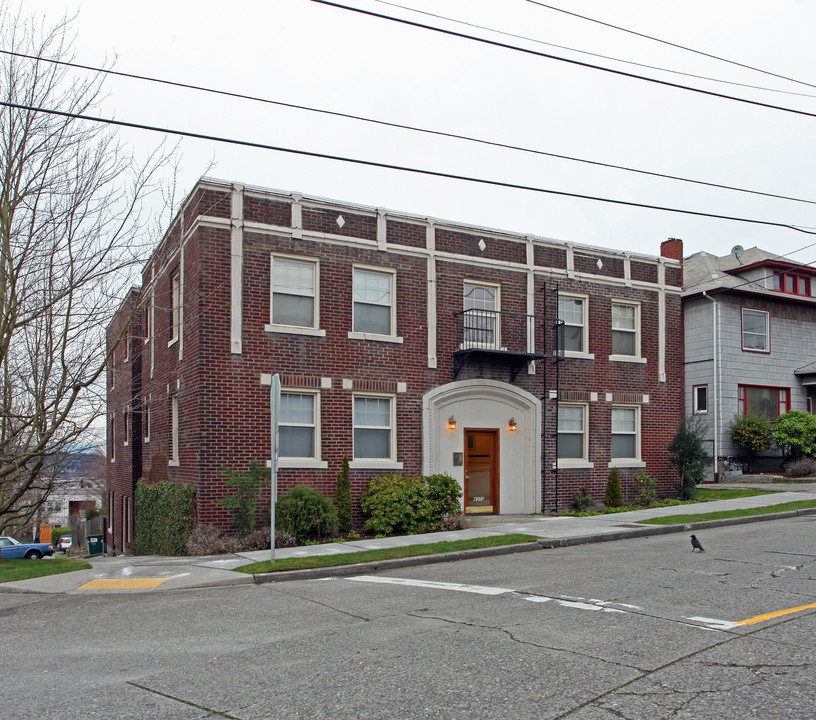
(479, 472)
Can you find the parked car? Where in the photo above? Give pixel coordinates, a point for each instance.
(64, 543)
(11, 549)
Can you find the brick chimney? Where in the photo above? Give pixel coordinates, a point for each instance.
(672, 248)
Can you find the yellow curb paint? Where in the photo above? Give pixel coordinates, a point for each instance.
(122, 584)
(771, 615)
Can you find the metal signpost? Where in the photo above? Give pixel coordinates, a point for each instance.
(274, 402)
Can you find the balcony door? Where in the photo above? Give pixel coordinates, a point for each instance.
(481, 471)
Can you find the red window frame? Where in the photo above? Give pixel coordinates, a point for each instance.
(782, 398)
(792, 284)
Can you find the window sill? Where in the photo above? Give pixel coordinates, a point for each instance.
(574, 465)
(294, 330)
(627, 464)
(756, 350)
(374, 336)
(367, 464)
(172, 463)
(310, 464)
(627, 358)
(579, 355)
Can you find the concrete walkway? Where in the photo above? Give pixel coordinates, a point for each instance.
(126, 573)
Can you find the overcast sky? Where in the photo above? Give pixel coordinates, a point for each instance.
(303, 52)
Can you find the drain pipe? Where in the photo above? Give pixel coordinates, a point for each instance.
(715, 362)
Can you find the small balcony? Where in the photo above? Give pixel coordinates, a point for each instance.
(506, 338)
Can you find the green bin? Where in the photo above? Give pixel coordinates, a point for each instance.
(95, 546)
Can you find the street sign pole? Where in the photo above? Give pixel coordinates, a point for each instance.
(274, 406)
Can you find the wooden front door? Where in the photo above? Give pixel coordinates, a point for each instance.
(481, 471)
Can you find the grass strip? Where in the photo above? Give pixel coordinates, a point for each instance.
(711, 493)
(723, 514)
(322, 561)
(26, 569)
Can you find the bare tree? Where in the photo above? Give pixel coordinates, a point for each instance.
(71, 236)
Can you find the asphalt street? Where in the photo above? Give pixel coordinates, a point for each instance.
(638, 629)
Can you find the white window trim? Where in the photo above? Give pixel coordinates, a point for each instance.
(113, 437)
(629, 461)
(174, 431)
(380, 337)
(313, 330)
(694, 405)
(389, 463)
(582, 462)
(126, 425)
(767, 334)
(148, 323)
(496, 287)
(637, 357)
(581, 354)
(175, 307)
(146, 413)
(310, 462)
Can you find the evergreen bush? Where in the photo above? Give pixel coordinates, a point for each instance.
(410, 504)
(613, 497)
(246, 489)
(305, 513)
(342, 498)
(687, 453)
(582, 501)
(753, 432)
(794, 433)
(165, 514)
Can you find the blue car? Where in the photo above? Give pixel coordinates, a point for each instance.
(11, 549)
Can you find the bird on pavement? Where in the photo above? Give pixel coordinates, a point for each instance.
(695, 544)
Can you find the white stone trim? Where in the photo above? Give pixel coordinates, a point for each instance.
(236, 269)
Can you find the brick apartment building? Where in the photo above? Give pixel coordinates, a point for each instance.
(406, 343)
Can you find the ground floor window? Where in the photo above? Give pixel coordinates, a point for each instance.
(625, 433)
(770, 402)
(374, 427)
(572, 432)
(297, 425)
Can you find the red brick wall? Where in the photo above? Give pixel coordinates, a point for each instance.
(224, 410)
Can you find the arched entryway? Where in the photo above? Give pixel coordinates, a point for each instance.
(497, 464)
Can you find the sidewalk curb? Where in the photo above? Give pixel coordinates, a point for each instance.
(541, 544)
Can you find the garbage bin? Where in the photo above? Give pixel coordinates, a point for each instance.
(95, 545)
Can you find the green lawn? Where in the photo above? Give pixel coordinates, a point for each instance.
(322, 561)
(26, 569)
(746, 512)
(721, 493)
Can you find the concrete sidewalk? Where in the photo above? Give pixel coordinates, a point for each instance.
(127, 573)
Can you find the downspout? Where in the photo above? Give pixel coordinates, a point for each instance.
(715, 400)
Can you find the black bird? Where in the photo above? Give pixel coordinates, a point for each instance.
(695, 544)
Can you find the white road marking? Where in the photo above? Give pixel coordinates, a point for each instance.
(458, 587)
(713, 623)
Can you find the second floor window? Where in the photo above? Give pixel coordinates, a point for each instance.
(625, 322)
(175, 299)
(572, 310)
(755, 325)
(294, 296)
(480, 318)
(373, 302)
(790, 283)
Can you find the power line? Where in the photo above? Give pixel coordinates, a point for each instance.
(549, 56)
(600, 55)
(401, 168)
(400, 126)
(672, 44)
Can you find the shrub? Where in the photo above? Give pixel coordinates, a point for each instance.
(613, 497)
(92, 512)
(644, 488)
(410, 504)
(795, 434)
(305, 513)
(582, 501)
(209, 540)
(58, 532)
(342, 497)
(246, 488)
(801, 467)
(164, 517)
(687, 453)
(753, 432)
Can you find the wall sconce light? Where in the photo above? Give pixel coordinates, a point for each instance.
(511, 426)
(451, 423)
